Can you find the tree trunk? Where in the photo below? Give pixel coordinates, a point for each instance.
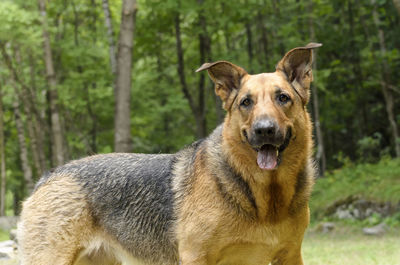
(123, 141)
(320, 155)
(110, 35)
(205, 55)
(92, 113)
(264, 60)
(385, 82)
(181, 65)
(23, 150)
(91, 147)
(2, 161)
(358, 75)
(27, 99)
(40, 127)
(397, 5)
(56, 127)
(249, 46)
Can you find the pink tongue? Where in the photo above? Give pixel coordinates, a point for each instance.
(266, 157)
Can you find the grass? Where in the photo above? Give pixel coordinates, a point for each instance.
(4, 235)
(350, 246)
(378, 182)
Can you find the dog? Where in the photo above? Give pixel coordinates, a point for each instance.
(238, 197)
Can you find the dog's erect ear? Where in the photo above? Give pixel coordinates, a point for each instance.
(226, 77)
(297, 66)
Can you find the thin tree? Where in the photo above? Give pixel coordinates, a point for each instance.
(122, 137)
(2, 161)
(56, 126)
(110, 37)
(320, 155)
(23, 150)
(36, 125)
(397, 5)
(198, 110)
(385, 81)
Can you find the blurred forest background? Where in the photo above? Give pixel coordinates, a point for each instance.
(68, 78)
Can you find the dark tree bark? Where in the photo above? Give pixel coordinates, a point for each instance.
(56, 126)
(92, 113)
(2, 161)
(23, 153)
(264, 60)
(28, 99)
(35, 123)
(122, 140)
(92, 147)
(386, 83)
(249, 46)
(205, 55)
(110, 36)
(198, 109)
(320, 155)
(181, 65)
(397, 5)
(355, 63)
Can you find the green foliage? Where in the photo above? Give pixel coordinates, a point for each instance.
(254, 34)
(377, 182)
(368, 147)
(4, 235)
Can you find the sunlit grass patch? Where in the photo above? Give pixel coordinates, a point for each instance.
(349, 246)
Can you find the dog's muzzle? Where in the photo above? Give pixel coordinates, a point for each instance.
(269, 142)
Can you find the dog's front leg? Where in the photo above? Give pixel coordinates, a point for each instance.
(290, 256)
(192, 254)
(192, 259)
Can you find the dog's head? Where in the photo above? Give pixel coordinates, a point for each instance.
(262, 108)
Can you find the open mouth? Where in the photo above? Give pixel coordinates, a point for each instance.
(268, 156)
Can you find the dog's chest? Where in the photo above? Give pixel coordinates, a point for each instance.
(244, 253)
(252, 246)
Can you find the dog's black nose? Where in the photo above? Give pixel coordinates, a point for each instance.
(265, 128)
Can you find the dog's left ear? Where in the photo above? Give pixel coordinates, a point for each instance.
(297, 66)
(226, 77)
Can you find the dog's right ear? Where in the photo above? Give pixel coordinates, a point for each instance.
(226, 77)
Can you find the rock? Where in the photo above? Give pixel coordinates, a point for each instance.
(343, 213)
(355, 208)
(4, 256)
(7, 249)
(377, 230)
(13, 235)
(327, 227)
(8, 222)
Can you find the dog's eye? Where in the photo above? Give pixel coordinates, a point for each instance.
(246, 102)
(283, 98)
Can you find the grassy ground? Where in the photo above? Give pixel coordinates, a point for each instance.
(349, 246)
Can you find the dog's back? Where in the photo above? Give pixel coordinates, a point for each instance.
(76, 208)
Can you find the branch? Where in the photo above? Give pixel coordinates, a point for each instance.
(181, 70)
(16, 78)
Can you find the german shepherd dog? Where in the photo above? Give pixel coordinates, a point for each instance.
(238, 197)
